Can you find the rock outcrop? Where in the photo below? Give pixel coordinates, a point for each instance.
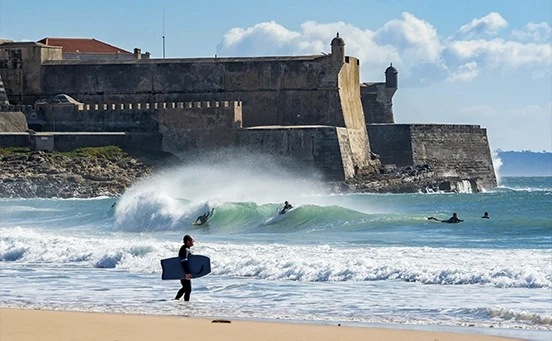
(52, 175)
(43, 175)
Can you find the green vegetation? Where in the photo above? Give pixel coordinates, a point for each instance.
(14, 150)
(108, 152)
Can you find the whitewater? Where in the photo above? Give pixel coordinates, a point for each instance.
(359, 259)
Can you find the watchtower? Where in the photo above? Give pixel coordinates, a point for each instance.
(391, 78)
(338, 49)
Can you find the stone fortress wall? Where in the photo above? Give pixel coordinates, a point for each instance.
(312, 108)
(458, 151)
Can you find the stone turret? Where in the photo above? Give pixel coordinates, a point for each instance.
(391, 79)
(338, 49)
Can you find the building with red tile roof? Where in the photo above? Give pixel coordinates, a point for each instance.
(90, 49)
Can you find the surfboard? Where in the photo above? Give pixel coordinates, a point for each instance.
(172, 269)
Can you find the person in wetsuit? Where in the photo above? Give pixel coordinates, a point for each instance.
(486, 215)
(452, 220)
(183, 254)
(287, 207)
(203, 218)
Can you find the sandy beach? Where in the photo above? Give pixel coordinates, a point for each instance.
(20, 325)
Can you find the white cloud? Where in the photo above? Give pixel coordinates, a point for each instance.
(416, 39)
(466, 72)
(534, 32)
(265, 38)
(500, 53)
(489, 25)
(410, 43)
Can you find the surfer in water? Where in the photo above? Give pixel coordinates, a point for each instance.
(287, 207)
(183, 254)
(202, 219)
(452, 220)
(486, 215)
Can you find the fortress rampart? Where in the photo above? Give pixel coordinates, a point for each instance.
(321, 150)
(311, 108)
(184, 126)
(452, 150)
(274, 91)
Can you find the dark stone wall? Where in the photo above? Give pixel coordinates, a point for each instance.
(14, 140)
(377, 102)
(20, 69)
(199, 126)
(392, 142)
(65, 142)
(455, 151)
(460, 150)
(103, 118)
(285, 90)
(315, 149)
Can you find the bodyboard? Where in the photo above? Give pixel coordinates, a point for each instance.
(172, 268)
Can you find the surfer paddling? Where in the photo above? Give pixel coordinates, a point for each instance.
(452, 220)
(183, 254)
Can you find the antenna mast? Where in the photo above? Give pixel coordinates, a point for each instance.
(163, 32)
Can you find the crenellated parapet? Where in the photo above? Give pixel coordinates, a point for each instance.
(140, 107)
(19, 108)
(125, 117)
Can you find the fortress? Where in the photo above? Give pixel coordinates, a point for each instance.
(313, 109)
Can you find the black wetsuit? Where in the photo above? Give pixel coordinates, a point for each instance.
(286, 208)
(202, 218)
(186, 289)
(452, 220)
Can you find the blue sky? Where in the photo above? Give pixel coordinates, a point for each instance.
(485, 62)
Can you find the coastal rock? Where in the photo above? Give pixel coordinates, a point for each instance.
(48, 175)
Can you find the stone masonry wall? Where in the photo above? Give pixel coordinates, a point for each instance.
(315, 148)
(97, 118)
(12, 139)
(12, 121)
(460, 151)
(65, 142)
(377, 102)
(392, 142)
(274, 90)
(185, 126)
(455, 150)
(357, 139)
(198, 126)
(21, 66)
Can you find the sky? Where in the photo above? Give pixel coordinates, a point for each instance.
(483, 62)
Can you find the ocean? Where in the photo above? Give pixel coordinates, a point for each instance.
(354, 259)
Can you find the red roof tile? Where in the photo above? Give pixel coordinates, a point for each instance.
(83, 45)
